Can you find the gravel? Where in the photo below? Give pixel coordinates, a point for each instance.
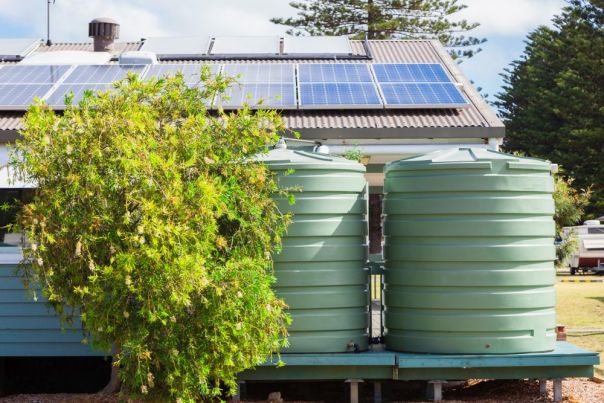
(577, 390)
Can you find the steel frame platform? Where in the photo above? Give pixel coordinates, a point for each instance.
(567, 360)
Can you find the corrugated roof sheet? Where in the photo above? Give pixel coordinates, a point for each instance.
(478, 115)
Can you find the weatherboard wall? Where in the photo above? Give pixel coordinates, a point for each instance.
(30, 328)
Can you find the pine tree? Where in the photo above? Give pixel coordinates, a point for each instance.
(385, 19)
(553, 98)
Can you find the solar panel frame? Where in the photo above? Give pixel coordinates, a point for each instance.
(317, 45)
(246, 45)
(15, 49)
(182, 47)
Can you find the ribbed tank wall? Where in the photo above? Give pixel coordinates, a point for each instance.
(469, 254)
(321, 268)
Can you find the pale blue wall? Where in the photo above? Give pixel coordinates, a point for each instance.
(29, 328)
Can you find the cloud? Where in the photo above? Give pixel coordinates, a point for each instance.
(144, 18)
(509, 17)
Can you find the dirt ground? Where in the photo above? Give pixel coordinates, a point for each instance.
(580, 390)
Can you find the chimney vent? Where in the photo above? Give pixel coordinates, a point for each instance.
(104, 31)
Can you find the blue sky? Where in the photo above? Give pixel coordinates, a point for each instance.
(504, 23)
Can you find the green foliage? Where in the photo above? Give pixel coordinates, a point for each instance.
(151, 219)
(553, 98)
(570, 205)
(354, 154)
(385, 19)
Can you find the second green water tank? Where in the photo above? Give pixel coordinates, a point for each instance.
(469, 253)
(321, 269)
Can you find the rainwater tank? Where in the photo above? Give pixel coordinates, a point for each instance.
(321, 269)
(469, 253)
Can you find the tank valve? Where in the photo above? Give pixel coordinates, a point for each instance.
(352, 347)
(560, 333)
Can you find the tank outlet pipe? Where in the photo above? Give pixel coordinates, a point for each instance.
(494, 143)
(397, 149)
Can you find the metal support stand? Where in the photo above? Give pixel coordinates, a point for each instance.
(377, 392)
(240, 391)
(435, 391)
(543, 387)
(558, 390)
(354, 389)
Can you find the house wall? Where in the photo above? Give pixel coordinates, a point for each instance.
(28, 327)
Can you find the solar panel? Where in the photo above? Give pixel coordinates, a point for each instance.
(339, 95)
(180, 47)
(410, 73)
(17, 48)
(102, 73)
(89, 77)
(261, 86)
(20, 96)
(246, 45)
(56, 99)
(417, 86)
(425, 95)
(317, 45)
(337, 86)
(19, 74)
(277, 96)
(191, 72)
(261, 73)
(334, 73)
(19, 85)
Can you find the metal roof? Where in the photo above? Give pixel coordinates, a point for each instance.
(477, 121)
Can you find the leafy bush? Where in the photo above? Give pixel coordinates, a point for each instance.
(151, 219)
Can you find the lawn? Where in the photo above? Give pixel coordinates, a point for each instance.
(581, 306)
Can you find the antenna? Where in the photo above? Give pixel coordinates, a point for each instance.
(48, 41)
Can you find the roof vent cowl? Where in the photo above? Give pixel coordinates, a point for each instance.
(104, 31)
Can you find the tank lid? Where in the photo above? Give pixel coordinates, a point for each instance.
(281, 157)
(468, 158)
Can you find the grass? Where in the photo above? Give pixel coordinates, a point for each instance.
(581, 306)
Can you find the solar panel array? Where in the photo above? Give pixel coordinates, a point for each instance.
(260, 85)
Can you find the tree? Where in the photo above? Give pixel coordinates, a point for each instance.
(385, 19)
(553, 99)
(151, 220)
(570, 206)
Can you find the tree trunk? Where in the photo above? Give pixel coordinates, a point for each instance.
(371, 34)
(114, 384)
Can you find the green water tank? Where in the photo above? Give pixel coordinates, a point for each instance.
(469, 253)
(321, 270)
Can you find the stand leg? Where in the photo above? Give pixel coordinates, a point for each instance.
(542, 387)
(377, 392)
(354, 389)
(435, 391)
(558, 390)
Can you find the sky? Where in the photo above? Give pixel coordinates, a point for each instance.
(505, 23)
